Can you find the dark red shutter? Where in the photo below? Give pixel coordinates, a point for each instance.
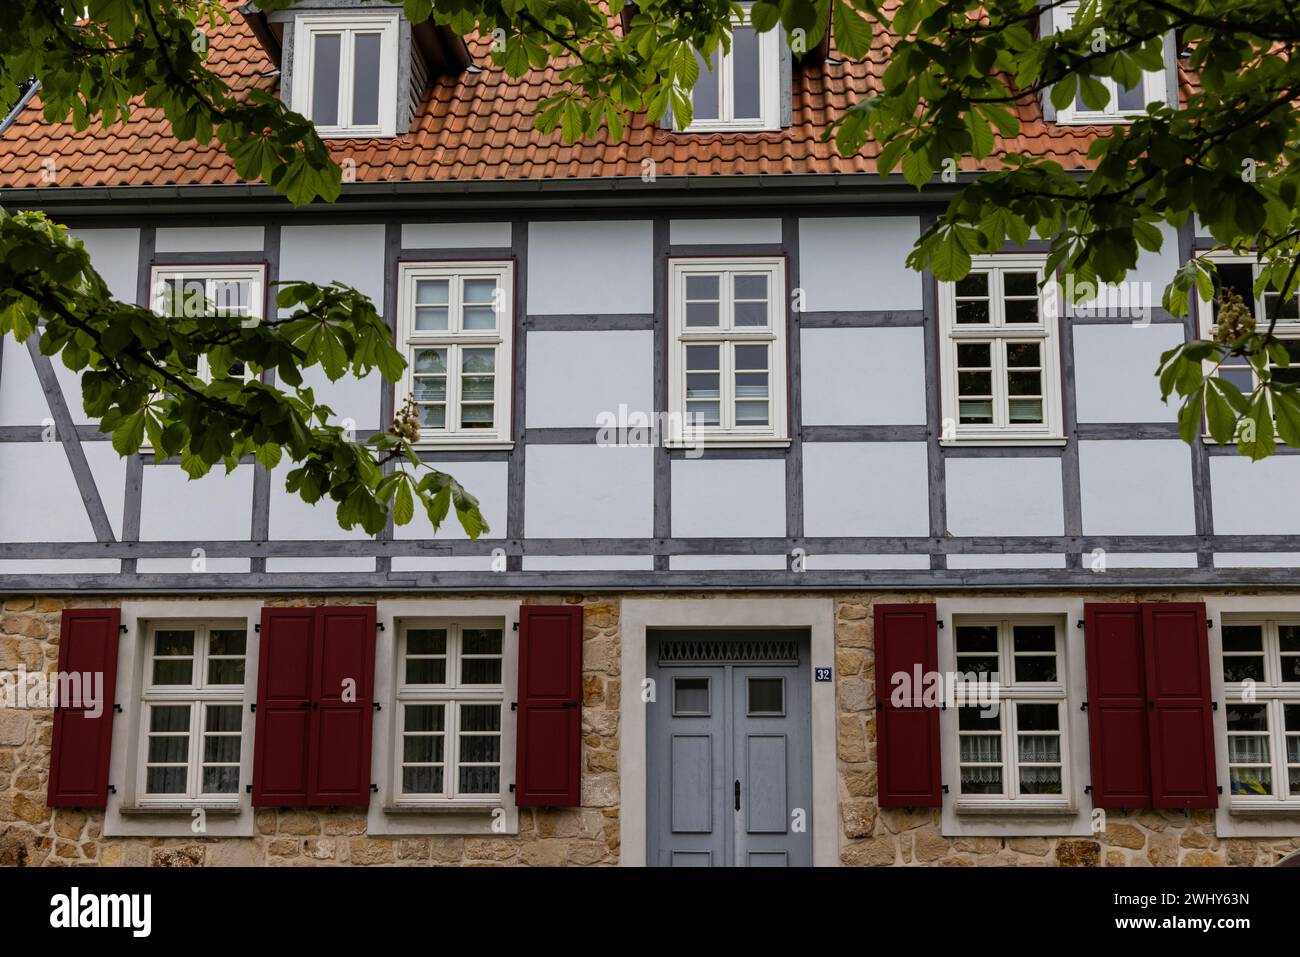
(907, 738)
(1178, 705)
(284, 699)
(344, 698)
(1117, 706)
(547, 769)
(80, 747)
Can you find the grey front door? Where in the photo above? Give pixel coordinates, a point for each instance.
(729, 774)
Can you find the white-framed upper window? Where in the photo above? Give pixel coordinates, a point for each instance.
(1017, 752)
(450, 712)
(740, 90)
(204, 290)
(727, 358)
(345, 73)
(1261, 676)
(191, 719)
(455, 326)
(1123, 102)
(999, 354)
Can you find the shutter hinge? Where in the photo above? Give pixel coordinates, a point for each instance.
(257, 627)
(252, 707)
(1220, 788)
(122, 628)
(112, 788)
(1088, 789)
(374, 788)
(117, 708)
(379, 626)
(1209, 623)
(512, 789)
(1214, 705)
(1084, 706)
(378, 706)
(514, 706)
(940, 623)
(945, 788)
(248, 788)
(1079, 623)
(516, 626)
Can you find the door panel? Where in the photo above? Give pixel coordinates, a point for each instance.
(687, 758)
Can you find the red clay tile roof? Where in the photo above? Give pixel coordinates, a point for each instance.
(479, 127)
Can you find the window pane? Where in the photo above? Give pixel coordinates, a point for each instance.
(751, 357)
(1023, 355)
(974, 283)
(1248, 749)
(1131, 98)
(1033, 638)
(1024, 384)
(1243, 667)
(479, 304)
(1036, 780)
(690, 696)
(1243, 638)
(422, 780)
(751, 287)
(168, 748)
(424, 717)
(227, 641)
(169, 718)
(422, 749)
(766, 696)
(480, 717)
(325, 79)
(973, 719)
(426, 671)
(221, 780)
(365, 79)
(431, 296)
(1289, 638)
(745, 73)
(981, 780)
(704, 98)
(1038, 717)
(166, 780)
(1035, 668)
(1020, 284)
(1251, 781)
(173, 642)
(1247, 717)
(972, 311)
(703, 385)
(972, 638)
(477, 780)
(480, 671)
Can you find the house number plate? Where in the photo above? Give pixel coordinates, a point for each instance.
(821, 674)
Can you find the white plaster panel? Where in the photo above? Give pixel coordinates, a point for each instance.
(486, 481)
(1257, 559)
(311, 565)
(1141, 289)
(863, 376)
(39, 499)
(589, 491)
(455, 235)
(865, 488)
(858, 263)
(70, 382)
(1136, 487)
(60, 566)
(723, 232)
(1005, 560)
(1004, 496)
(1114, 372)
(448, 563)
(216, 507)
(1145, 559)
(815, 562)
(590, 267)
(109, 472)
(1255, 498)
(721, 563)
(295, 520)
(724, 498)
(209, 239)
(22, 401)
(573, 377)
(185, 566)
(603, 563)
(353, 255)
(115, 254)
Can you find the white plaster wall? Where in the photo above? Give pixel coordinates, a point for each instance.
(115, 254)
(1136, 487)
(1144, 285)
(865, 488)
(1006, 560)
(455, 235)
(216, 507)
(295, 520)
(863, 376)
(1255, 498)
(604, 563)
(1257, 559)
(694, 563)
(60, 566)
(575, 376)
(209, 239)
(39, 499)
(1005, 496)
(586, 491)
(815, 562)
(858, 263)
(108, 469)
(486, 481)
(353, 255)
(22, 402)
(590, 267)
(1115, 372)
(1145, 559)
(723, 232)
(728, 498)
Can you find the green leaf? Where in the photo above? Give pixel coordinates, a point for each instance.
(852, 31)
(404, 505)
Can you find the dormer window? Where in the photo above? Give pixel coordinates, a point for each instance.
(345, 73)
(1123, 103)
(742, 90)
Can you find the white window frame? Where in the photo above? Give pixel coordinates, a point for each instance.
(1288, 329)
(1046, 332)
(1047, 816)
(1012, 693)
(128, 813)
(197, 694)
(387, 814)
(452, 695)
(727, 335)
(252, 273)
(1274, 694)
(305, 30)
(769, 96)
(454, 339)
(1154, 86)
